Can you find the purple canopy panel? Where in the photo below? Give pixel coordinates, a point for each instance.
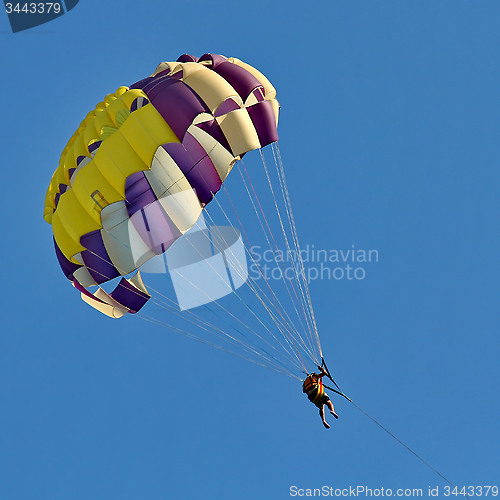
(212, 128)
(62, 189)
(187, 58)
(176, 102)
(227, 106)
(141, 83)
(68, 268)
(138, 103)
(204, 179)
(196, 165)
(178, 75)
(262, 116)
(184, 159)
(138, 193)
(195, 149)
(165, 72)
(215, 59)
(96, 258)
(259, 94)
(239, 78)
(155, 227)
(148, 217)
(94, 147)
(129, 296)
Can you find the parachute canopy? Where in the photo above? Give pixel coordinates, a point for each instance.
(139, 170)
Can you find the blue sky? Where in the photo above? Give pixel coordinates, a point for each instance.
(389, 136)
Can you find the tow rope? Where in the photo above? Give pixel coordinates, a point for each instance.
(339, 391)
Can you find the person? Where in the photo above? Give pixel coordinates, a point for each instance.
(313, 387)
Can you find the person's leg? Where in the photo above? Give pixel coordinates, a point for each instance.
(322, 415)
(331, 408)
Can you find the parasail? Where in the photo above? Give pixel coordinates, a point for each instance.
(138, 175)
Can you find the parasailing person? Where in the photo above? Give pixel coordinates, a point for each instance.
(313, 387)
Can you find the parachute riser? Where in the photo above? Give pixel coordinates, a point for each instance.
(340, 393)
(338, 390)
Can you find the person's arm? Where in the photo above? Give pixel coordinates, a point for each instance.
(322, 372)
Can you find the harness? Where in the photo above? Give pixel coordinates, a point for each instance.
(313, 387)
